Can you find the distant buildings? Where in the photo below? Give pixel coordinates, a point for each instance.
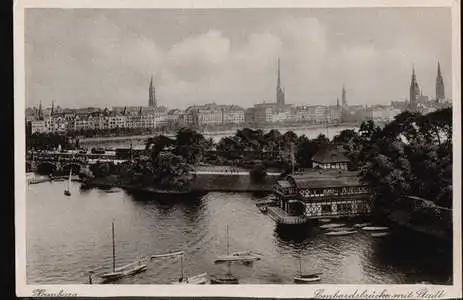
(58, 120)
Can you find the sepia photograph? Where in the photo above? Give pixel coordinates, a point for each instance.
(292, 146)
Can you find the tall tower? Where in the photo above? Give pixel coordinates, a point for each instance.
(280, 94)
(52, 107)
(414, 92)
(344, 97)
(152, 94)
(40, 114)
(337, 102)
(440, 91)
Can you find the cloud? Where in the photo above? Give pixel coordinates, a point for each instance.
(105, 58)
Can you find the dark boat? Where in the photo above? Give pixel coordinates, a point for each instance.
(227, 279)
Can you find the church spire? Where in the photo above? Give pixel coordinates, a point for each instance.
(40, 111)
(280, 94)
(52, 107)
(414, 91)
(343, 96)
(440, 90)
(152, 94)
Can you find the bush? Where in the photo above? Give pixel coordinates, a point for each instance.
(258, 173)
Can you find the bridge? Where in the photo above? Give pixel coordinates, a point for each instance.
(49, 162)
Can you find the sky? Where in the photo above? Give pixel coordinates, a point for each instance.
(105, 57)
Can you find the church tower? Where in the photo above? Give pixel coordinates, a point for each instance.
(414, 92)
(152, 94)
(40, 114)
(344, 96)
(280, 94)
(440, 91)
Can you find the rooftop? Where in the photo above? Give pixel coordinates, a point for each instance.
(331, 155)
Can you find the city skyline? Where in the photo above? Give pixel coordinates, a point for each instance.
(201, 58)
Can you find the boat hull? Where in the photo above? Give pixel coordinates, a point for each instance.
(306, 279)
(340, 233)
(224, 280)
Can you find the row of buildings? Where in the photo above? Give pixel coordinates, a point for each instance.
(58, 120)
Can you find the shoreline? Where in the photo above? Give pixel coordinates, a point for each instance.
(87, 140)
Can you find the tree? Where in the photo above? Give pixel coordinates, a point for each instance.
(157, 144)
(307, 148)
(258, 173)
(172, 172)
(190, 145)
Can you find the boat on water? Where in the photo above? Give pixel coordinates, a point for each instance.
(67, 191)
(305, 278)
(333, 225)
(197, 279)
(229, 278)
(379, 234)
(127, 270)
(360, 225)
(375, 228)
(342, 232)
(342, 229)
(324, 220)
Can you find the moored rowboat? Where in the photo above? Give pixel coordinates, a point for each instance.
(305, 278)
(375, 228)
(361, 225)
(344, 232)
(327, 226)
(379, 234)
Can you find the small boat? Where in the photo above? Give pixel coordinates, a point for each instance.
(344, 232)
(305, 278)
(375, 228)
(127, 270)
(197, 279)
(325, 220)
(342, 229)
(379, 234)
(360, 225)
(227, 279)
(334, 225)
(67, 191)
(236, 258)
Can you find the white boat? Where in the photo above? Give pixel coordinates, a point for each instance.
(305, 278)
(325, 220)
(127, 270)
(242, 256)
(229, 278)
(342, 229)
(343, 232)
(197, 279)
(67, 190)
(375, 228)
(379, 234)
(360, 225)
(334, 225)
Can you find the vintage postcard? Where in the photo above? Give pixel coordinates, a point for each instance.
(262, 148)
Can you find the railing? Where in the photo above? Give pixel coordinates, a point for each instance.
(281, 217)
